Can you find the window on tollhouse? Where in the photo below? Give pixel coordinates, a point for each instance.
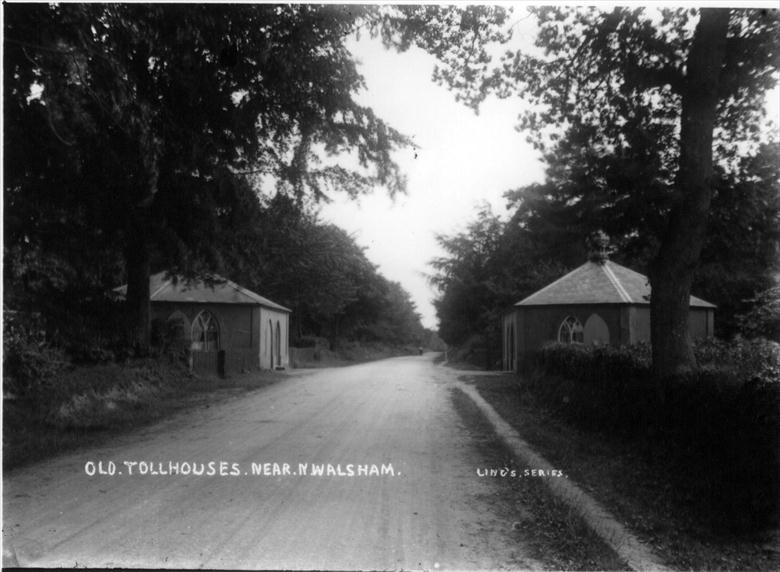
(205, 332)
(570, 331)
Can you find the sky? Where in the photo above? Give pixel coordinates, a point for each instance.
(461, 160)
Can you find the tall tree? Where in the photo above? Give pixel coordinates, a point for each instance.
(671, 273)
(463, 278)
(684, 82)
(143, 109)
(494, 263)
(740, 260)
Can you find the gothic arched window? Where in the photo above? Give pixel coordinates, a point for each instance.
(205, 332)
(570, 331)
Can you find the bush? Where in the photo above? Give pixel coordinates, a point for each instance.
(757, 359)
(478, 351)
(30, 363)
(94, 331)
(727, 430)
(169, 338)
(720, 423)
(603, 388)
(303, 342)
(90, 353)
(763, 319)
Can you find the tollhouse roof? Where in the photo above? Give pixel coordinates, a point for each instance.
(598, 283)
(164, 287)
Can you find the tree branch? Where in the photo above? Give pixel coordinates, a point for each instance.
(644, 78)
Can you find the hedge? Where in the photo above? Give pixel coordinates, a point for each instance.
(720, 424)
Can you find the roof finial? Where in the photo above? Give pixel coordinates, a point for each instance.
(599, 247)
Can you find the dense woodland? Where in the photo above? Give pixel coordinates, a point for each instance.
(200, 138)
(653, 130)
(499, 259)
(141, 138)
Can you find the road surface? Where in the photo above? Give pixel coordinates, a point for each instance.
(426, 508)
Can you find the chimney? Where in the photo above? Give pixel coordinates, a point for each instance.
(599, 247)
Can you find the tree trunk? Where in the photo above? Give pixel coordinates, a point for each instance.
(672, 271)
(137, 265)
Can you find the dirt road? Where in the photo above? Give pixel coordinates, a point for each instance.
(425, 509)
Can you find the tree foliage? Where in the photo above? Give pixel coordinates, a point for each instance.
(740, 261)
(631, 108)
(498, 261)
(140, 136)
(487, 268)
(323, 275)
(131, 121)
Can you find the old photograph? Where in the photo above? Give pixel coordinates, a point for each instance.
(414, 286)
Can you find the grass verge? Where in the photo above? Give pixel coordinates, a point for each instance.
(543, 525)
(87, 405)
(639, 490)
(349, 353)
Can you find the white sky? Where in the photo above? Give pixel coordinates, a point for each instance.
(463, 159)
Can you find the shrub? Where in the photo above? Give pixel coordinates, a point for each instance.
(94, 331)
(90, 353)
(599, 388)
(757, 359)
(763, 318)
(720, 423)
(30, 362)
(303, 342)
(169, 338)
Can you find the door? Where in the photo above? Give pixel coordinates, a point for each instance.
(596, 331)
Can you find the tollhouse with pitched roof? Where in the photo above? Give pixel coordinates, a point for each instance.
(599, 303)
(227, 327)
